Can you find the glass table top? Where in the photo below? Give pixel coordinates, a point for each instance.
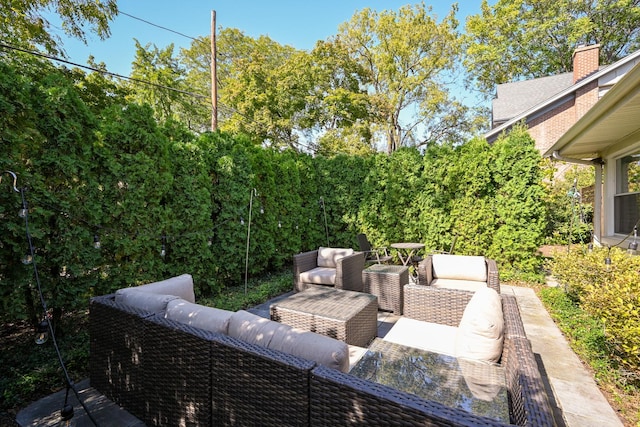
(472, 386)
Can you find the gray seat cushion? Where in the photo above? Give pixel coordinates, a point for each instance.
(319, 275)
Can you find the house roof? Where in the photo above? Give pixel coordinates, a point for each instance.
(610, 125)
(517, 97)
(560, 97)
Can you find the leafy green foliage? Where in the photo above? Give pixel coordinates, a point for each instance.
(514, 39)
(608, 292)
(569, 213)
(141, 186)
(25, 23)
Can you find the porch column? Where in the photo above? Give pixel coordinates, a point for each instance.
(597, 206)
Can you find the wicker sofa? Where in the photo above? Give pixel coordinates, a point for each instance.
(337, 267)
(170, 373)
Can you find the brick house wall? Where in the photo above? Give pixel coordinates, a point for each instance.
(547, 128)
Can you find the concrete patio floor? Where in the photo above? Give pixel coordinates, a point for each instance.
(576, 399)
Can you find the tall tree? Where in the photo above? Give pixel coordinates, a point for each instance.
(405, 54)
(516, 39)
(25, 23)
(165, 90)
(196, 61)
(263, 86)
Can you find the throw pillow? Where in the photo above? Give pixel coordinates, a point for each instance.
(480, 333)
(146, 301)
(328, 257)
(460, 267)
(181, 286)
(207, 318)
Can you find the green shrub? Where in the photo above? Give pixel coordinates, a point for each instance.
(611, 293)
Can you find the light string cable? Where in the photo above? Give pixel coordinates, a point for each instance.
(70, 384)
(627, 236)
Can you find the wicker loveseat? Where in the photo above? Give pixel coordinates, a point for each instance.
(169, 373)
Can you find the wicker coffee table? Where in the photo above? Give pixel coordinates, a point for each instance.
(349, 316)
(387, 283)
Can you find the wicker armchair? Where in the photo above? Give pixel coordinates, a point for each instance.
(348, 271)
(428, 274)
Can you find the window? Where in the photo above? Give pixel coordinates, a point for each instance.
(627, 198)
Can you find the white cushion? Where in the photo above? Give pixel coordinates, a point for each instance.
(459, 267)
(252, 328)
(328, 257)
(180, 286)
(427, 336)
(321, 349)
(319, 275)
(480, 333)
(463, 285)
(146, 301)
(207, 318)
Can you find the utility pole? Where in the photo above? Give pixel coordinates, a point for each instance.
(214, 75)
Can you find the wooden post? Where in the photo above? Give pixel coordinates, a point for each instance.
(214, 75)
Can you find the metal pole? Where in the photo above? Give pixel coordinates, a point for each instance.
(326, 228)
(214, 75)
(246, 259)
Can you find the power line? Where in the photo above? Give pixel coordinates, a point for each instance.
(97, 70)
(156, 25)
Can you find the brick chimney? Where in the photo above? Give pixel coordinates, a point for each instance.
(585, 61)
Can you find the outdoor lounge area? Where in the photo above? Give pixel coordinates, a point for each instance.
(168, 361)
(573, 397)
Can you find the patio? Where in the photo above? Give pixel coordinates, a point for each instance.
(574, 396)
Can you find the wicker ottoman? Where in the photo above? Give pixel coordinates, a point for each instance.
(387, 283)
(349, 316)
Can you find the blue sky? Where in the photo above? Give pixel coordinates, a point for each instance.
(289, 22)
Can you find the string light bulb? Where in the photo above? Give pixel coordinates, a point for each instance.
(163, 250)
(42, 332)
(27, 258)
(24, 211)
(633, 246)
(241, 221)
(96, 242)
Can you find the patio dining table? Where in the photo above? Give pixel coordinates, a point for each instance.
(406, 251)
